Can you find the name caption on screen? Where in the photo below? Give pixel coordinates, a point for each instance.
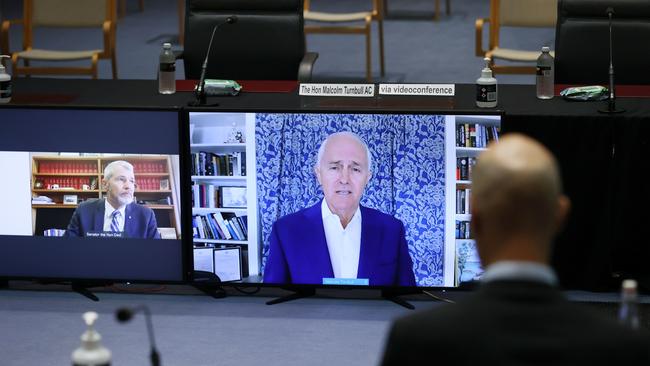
(337, 90)
(435, 90)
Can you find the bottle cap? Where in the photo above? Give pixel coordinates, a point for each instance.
(2, 66)
(546, 49)
(629, 285)
(167, 45)
(486, 72)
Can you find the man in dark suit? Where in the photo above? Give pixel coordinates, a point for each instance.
(337, 238)
(117, 215)
(517, 316)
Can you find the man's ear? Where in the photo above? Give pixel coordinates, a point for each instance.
(563, 209)
(104, 185)
(317, 172)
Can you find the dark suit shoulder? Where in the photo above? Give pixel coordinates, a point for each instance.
(91, 205)
(298, 217)
(373, 215)
(136, 207)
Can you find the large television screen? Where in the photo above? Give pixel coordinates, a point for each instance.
(91, 194)
(384, 203)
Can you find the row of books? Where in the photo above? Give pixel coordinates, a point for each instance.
(476, 134)
(67, 167)
(463, 230)
(220, 225)
(206, 195)
(211, 164)
(140, 167)
(90, 167)
(463, 200)
(152, 184)
(464, 167)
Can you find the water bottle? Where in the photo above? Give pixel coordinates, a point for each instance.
(167, 71)
(545, 74)
(628, 313)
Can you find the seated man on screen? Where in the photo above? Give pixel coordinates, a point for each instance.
(117, 215)
(337, 238)
(518, 315)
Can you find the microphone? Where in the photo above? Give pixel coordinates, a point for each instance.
(611, 103)
(200, 87)
(123, 315)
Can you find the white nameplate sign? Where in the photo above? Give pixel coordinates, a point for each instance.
(337, 90)
(437, 90)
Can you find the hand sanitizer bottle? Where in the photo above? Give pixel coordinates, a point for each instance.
(91, 352)
(5, 82)
(486, 88)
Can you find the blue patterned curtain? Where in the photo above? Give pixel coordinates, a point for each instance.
(408, 174)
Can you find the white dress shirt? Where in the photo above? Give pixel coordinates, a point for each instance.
(344, 245)
(520, 270)
(108, 216)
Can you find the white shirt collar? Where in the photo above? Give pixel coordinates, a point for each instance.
(327, 214)
(343, 245)
(520, 270)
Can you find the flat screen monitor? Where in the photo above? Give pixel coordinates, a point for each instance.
(91, 194)
(268, 208)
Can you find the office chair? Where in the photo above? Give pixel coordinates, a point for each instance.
(514, 13)
(344, 23)
(582, 42)
(267, 42)
(63, 14)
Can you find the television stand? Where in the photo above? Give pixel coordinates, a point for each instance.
(82, 288)
(298, 294)
(394, 296)
(208, 283)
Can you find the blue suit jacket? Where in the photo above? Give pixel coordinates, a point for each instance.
(139, 221)
(298, 250)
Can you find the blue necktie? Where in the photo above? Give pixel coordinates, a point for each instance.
(115, 226)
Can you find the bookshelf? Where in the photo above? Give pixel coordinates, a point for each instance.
(68, 180)
(467, 137)
(224, 185)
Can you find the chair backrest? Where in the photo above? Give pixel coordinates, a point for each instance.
(520, 13)
(69, 13)
(527, 13)
(377, 9)
(267, 42)
(582, 42)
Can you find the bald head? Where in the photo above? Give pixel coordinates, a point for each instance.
(516, 197)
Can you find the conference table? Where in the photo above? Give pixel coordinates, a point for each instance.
(601, 155)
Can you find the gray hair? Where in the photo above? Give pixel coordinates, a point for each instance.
(109, 169)
(321, 149)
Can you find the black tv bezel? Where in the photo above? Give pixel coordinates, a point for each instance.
(302, 287)
(186, 274)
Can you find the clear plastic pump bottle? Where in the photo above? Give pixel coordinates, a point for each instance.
(91, 352)
(486, 88)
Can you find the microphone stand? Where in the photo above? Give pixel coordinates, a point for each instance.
(125, 314)
(199, 92)
(611, 103)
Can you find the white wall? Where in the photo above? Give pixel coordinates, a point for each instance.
(15, 195)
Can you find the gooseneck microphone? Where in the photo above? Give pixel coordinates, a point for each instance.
(200, 87)
(611, 103)
(123, 315)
